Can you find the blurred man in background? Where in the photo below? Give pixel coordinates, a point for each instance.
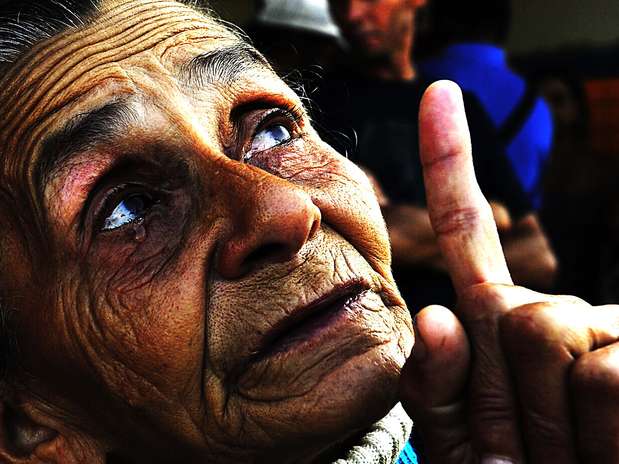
(374, 96)
(296, 35)
(471, 37)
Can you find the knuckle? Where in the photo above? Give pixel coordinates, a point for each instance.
(531, 328)
(570, 300)
(494, 417)
(459, 220)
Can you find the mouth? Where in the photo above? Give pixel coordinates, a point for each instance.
(365, 35)
(306, 323)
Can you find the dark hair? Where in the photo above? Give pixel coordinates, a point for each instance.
(23, 23)
(472, 20)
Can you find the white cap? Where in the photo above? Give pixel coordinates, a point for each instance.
(309, 15)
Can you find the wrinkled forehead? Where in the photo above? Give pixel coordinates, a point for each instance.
(124, 44)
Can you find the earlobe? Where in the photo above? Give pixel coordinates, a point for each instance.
(20, 436)
(24, 439)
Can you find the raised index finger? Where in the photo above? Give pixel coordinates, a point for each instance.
(460, 215)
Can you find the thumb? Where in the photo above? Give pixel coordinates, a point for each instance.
(433, 384)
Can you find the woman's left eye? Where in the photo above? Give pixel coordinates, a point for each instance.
(129, 210)
(269, 137)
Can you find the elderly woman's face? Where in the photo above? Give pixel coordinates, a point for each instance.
(193, 268)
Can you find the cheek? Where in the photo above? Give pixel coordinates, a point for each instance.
(135, 256)
(142, 325)
(140, 349)
(156, 332)
(341, 191)
(350, 205)
(141, 353)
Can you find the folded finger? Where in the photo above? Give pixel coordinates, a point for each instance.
(543, 343)
(595, 389)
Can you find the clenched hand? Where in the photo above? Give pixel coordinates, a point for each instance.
(511, 375)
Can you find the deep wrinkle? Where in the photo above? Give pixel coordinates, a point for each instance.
(151, 318)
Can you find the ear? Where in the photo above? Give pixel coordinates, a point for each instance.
(20, 435)
(24, 439)
(417, 3)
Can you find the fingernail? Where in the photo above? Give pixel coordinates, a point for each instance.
(496, 460)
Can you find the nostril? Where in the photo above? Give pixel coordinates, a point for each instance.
(314, 228)
(268, 252)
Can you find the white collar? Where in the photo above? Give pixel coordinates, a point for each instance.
(384, 442)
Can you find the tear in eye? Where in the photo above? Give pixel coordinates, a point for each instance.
(129, 210)
(269, 137)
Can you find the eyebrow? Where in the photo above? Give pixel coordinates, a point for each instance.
(82, 132)
(103, 125)
(223, 65)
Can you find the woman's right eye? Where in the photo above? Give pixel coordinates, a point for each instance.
(269, 137)
(129, 210)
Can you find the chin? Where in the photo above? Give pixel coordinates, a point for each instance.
(344, 403)
(364, 391)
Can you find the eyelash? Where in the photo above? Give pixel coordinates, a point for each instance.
(293, 114)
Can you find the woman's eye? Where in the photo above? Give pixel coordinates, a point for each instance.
(269, 137)
(129, 210)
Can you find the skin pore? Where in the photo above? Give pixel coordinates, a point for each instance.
(171, 211)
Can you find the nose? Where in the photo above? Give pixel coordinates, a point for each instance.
(272, 219)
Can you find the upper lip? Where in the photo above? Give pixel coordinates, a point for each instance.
(337, 297)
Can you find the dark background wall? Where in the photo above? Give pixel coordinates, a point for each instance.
(548, 24)
(539, 25)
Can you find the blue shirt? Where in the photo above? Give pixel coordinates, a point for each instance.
(482, 69)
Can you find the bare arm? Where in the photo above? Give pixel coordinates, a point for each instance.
(413, 241)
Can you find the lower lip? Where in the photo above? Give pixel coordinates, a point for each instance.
(310, 335)
(312, 352)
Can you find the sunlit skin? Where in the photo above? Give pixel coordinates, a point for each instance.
(163, 320)
(380, 30)
(148, 269)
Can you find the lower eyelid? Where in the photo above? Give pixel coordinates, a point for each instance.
(277, 159)
(155, 172)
